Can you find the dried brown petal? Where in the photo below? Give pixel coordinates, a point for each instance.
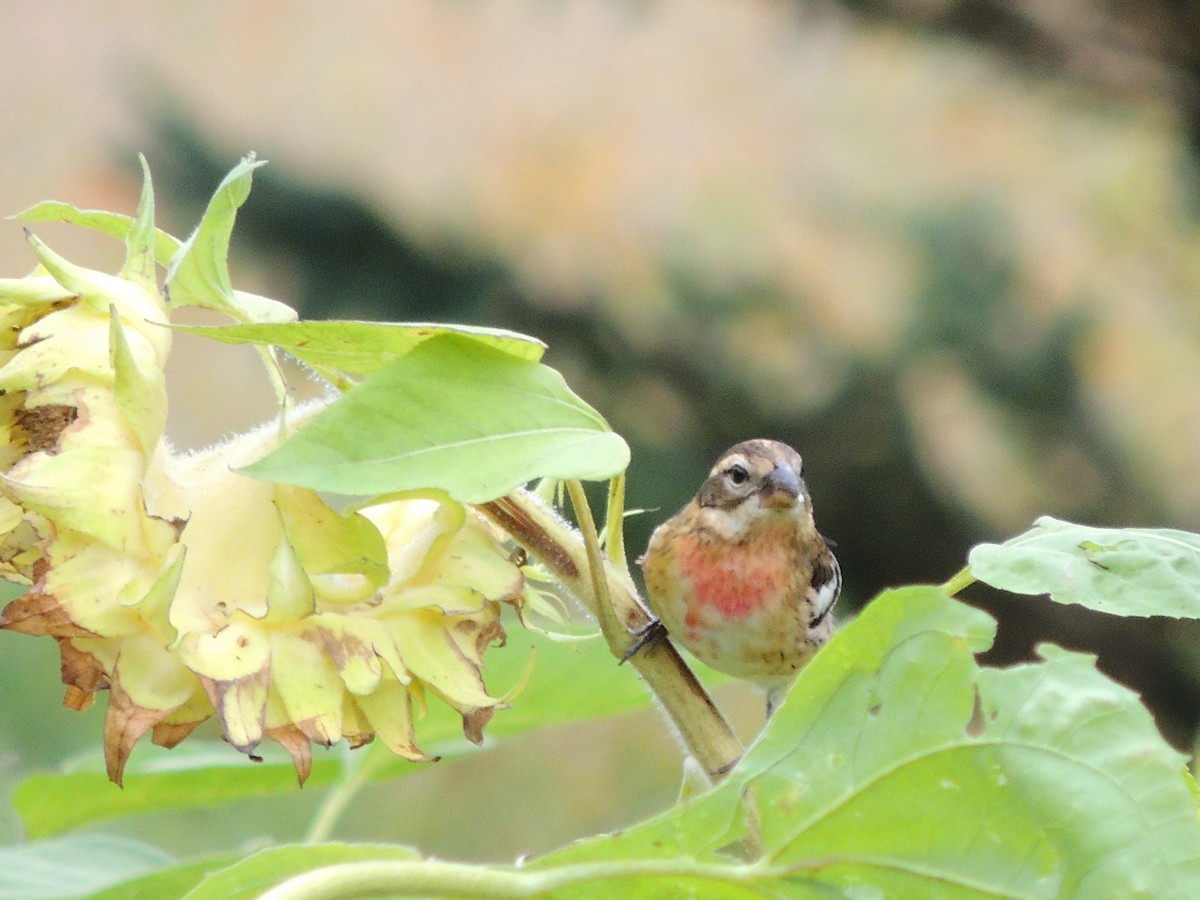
(43, 425)
(124, 724)
(40, 614)
(169, 734)
(298, 747)
(475, 721)
(81, 671)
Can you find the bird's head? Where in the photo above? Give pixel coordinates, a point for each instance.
(754, 482)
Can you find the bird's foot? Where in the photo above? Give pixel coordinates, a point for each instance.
(648, 635)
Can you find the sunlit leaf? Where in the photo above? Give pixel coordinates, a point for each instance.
(73, 866)
(451, 414)
(1127, 571)
(360, 347)
(883, 774)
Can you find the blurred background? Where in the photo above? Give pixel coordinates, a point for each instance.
(948, 249)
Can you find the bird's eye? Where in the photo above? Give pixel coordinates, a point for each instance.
(737, 474)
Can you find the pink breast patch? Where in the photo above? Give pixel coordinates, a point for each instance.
(734, 581)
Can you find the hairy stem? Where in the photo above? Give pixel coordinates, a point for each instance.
(561, 549)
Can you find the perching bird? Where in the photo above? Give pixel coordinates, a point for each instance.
(740, 576)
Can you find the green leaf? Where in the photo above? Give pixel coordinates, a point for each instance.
(171, 881)
(454, 415)
(199, 273)
(110, 223)
(253, 875)
(1126, 571)
(73, 866)
(883, 773)
(360, 347)
(196, 774)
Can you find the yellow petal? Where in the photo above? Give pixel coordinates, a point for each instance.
(389, 710)
(308, 684)
(432, 655)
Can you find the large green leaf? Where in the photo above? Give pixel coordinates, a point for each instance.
(883, 773)
(1127, 571)
(451, 414)
(360, 347)
(73, 866)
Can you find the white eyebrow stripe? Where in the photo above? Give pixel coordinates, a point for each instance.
(728, 462)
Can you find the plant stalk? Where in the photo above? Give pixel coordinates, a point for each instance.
(962, 579)
(564, 552)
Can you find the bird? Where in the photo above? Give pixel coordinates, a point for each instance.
(741, 577)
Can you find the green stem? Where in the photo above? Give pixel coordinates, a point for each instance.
(961, 579)
(448, 879)
(358, 771)
(619, 640)
(614, 526)
(560, 548)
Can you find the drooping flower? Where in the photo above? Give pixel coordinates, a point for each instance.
(188, 590)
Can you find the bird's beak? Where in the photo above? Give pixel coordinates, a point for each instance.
(780, 489)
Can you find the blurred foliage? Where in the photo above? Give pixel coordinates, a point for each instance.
(1146, 49)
